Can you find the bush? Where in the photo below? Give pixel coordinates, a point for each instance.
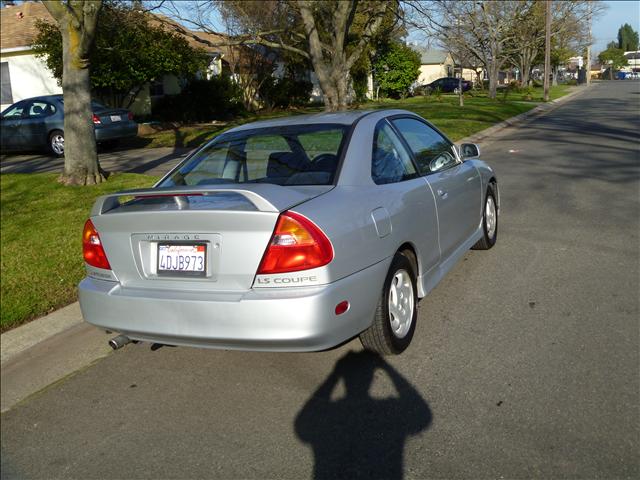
(396, 67)
(285, 92)
(201, 101)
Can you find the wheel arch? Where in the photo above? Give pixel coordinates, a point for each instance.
(493, 182)
(409, 250)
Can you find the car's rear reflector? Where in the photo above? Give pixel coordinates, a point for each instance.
(342, 307)
(92, 250)
(296, 244)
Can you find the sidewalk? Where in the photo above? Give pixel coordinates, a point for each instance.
(57, 345)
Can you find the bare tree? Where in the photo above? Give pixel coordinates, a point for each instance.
(480, 29)
(330, 34)
(250, 65)
(496, 33)
(570, 20)
(77, 21)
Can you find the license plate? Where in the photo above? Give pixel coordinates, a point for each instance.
(182, 259)
(116, 118)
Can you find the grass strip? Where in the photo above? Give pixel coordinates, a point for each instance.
(41, 250)
(479, 112)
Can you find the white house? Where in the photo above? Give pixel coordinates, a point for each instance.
(23, 75)
(633, 61)
(435, 64)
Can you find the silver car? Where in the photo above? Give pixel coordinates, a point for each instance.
(291, 234)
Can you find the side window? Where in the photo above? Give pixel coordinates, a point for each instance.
(40, 109)
(390, 162)
(15, 111)
(433, 152)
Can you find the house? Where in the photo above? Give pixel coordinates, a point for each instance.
(436, 64)
(633, 61)
(23, 75)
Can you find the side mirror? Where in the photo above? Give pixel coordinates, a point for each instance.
(469, 150)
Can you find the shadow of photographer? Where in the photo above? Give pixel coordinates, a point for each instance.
(359, 436)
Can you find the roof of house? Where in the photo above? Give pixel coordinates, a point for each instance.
(196, 39)
(432, 56)
(18, 24)
(18, 28)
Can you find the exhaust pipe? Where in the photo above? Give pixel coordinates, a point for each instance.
(119, 341)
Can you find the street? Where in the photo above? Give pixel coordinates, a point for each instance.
(525, 362)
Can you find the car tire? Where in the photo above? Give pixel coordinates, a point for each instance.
(56, 143)
(456, 90)
(489, 221)
(396, 314)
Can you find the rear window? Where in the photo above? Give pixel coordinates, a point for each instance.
(293, 155)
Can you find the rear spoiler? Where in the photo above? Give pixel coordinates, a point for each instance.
(266, 197)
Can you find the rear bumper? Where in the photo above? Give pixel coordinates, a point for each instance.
(116, 130)
(278, 319)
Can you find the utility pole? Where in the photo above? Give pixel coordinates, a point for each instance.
(547, 50)
(589, 47)
(459, 55)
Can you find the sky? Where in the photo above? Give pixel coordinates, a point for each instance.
(605, 28)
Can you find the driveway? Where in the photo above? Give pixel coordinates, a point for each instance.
(150, 161)
(525, 362)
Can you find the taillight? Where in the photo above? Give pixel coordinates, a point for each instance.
(296, 244)
(130, 116)
(92, 250)
(96, 119)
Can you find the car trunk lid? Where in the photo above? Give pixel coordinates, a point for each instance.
(230, 224)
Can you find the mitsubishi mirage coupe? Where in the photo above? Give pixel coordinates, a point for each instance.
(293, 234)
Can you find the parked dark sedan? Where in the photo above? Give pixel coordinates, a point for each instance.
(38, 122)
(446, 85)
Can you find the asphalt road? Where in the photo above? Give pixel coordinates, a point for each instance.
(525, 361)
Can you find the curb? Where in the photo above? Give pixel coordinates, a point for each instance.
(22, 338)
(529, 115)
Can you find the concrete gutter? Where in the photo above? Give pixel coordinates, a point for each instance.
(40, 353)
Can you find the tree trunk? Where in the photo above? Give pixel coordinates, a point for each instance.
(494, 77)
(81, 165)
(555, 76)
(77, 24)
(334, 82)
(525, 78)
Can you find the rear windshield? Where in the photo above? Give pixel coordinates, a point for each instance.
(293, 155)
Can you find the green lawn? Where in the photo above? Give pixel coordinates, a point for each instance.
(41, 250)
(478, 113)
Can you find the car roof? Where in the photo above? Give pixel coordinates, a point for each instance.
(342, 118)
(43, 97)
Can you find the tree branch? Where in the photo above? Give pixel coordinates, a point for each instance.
(370, 29)
(57, 9)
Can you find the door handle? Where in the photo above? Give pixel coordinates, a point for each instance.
(442, 193)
